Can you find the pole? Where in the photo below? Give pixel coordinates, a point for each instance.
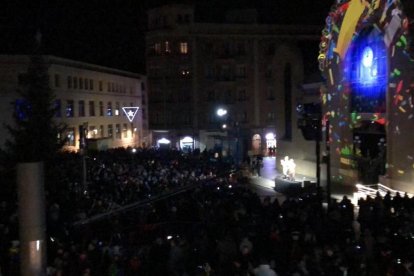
(32, 224)
(328, 165)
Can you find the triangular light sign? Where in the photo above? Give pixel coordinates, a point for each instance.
(130, 112)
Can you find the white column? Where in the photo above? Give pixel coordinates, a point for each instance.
(32, 226)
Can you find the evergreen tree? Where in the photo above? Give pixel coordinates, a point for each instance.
(34, 134)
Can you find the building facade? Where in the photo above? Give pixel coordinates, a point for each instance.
(88, 96)
(367, 59)
(254, 71)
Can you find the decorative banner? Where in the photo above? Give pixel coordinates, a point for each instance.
(130, 112)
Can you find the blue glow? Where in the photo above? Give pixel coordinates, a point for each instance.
(367, 72)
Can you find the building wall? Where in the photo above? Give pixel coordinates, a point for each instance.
(350, 164)
(89, 86)
(236, 66)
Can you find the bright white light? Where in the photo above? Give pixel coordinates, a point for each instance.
(164, 141)
(130, 112)
(37, 245)
(367, 57)
(134, 150)
(169, 237)
(221, 112)
(270, 136)
(187, 139)
(224, 126)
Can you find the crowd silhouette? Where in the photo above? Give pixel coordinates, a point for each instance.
(215, 225)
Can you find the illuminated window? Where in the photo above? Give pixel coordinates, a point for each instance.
(125, 130)
(109, 109)
(157, 48)
(93, 132)
(81, 108)
(183, 48)
(133, 130)
(167, 47)
(69, 109)
(70, 136)
(117, 112)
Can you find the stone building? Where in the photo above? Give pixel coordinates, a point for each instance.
(251, 70)
(86, 95)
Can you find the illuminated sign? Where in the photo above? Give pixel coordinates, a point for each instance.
(130, 112)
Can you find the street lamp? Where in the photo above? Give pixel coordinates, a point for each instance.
(235, 128)
(221, 112)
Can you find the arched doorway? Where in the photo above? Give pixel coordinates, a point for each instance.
(271, 144)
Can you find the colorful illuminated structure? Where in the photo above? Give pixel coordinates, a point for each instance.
(369, 97)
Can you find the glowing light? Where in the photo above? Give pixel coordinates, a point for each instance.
(270, 136)
(367, 57)
(164, 141)
(221, 112)
(130, 112)
(187, 139)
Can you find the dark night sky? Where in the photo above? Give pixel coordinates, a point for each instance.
(110, 33)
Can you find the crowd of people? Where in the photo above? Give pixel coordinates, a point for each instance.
(217, 226)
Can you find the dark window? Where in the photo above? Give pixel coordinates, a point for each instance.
(57, 80)
(91, 108)
(110, 131)
(81, 108)
(101, 109)
(101, 131)
(118, 131)
(69, 82)
(21, 109)
(58, 108)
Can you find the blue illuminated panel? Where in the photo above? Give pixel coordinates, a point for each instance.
(366, 70)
